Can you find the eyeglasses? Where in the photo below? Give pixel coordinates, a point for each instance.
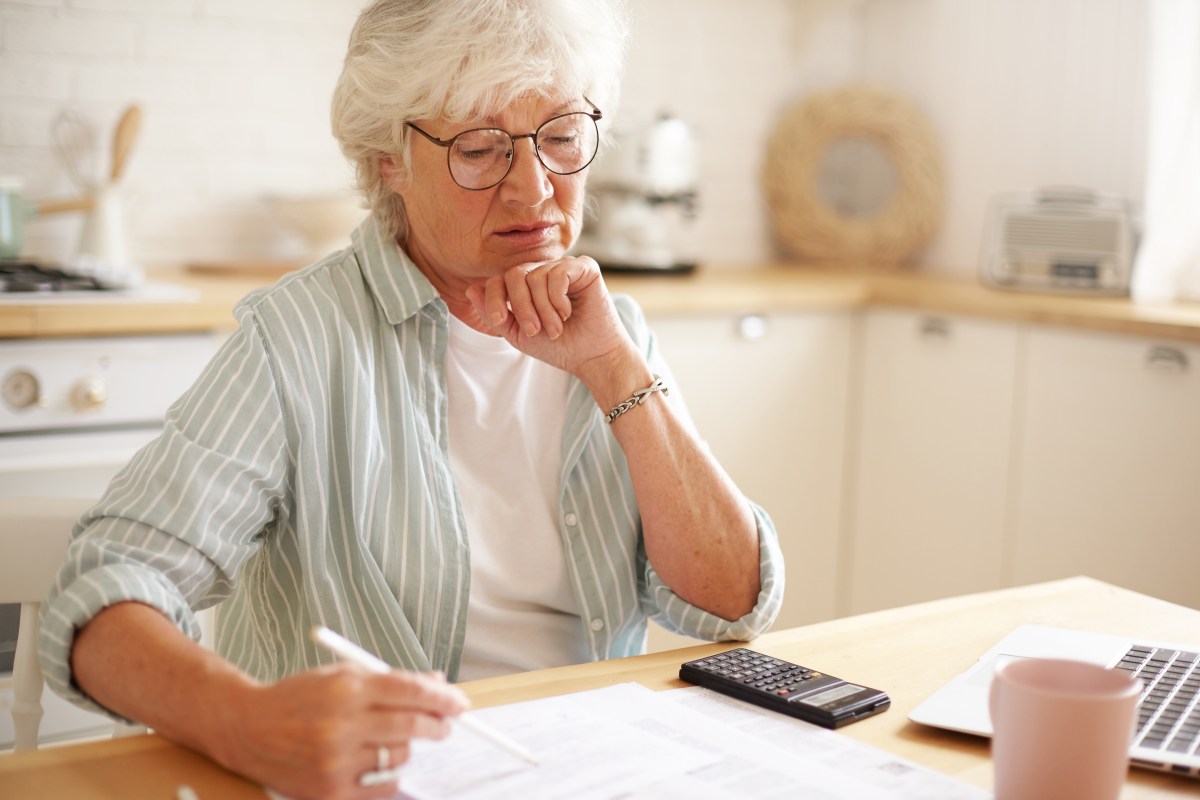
(481, 157)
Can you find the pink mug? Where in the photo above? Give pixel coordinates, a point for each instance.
(1061, 730)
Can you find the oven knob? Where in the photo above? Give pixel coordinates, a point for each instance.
(89, 393)
(22, 390)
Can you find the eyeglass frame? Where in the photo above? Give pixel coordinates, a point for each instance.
(596, 115)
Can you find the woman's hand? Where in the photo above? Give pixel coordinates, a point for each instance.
(310, 735)
(314, 734)
(558, 312)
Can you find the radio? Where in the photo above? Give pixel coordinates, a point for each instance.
(1059, 239)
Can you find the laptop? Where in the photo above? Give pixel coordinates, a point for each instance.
(1168, 728)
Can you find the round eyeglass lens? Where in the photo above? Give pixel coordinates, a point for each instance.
(568, 143)
(480, 158)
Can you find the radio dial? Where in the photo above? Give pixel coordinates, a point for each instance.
(89, 394)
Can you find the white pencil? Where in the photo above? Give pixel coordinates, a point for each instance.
(340, 646)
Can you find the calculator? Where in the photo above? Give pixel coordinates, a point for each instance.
(785, 687)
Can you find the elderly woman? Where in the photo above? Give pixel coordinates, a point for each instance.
(446, 442)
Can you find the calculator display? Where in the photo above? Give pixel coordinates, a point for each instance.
(830, 697)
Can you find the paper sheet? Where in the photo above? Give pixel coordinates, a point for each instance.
(803, 744)
(626, 741)
(591, 746)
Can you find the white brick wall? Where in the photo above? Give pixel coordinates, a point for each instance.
(1022, 93)
(235, 100)
(235, 96)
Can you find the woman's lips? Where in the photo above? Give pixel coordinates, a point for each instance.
(525, 235)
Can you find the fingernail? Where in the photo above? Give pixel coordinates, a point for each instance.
(530, 329)
(497, 318)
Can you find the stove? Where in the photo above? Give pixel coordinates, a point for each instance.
(18, 276)
(29, 282)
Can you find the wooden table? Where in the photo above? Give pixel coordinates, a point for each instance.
(907, 651)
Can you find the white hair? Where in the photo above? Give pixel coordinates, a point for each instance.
(463, 60)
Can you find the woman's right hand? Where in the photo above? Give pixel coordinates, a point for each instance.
(310, 735)
(314, 734)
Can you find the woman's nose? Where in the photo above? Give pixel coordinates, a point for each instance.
(527, 181)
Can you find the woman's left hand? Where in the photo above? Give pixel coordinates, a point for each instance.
(558, 312)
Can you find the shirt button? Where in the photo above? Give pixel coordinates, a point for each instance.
(597, 624)
(571, 519)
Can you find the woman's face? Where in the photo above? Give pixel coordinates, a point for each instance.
(459, 237)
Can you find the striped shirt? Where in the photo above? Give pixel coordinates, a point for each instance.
(305, 479)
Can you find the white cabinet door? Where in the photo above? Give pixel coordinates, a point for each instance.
(769, 395)
(1109, 463)
(931, 461)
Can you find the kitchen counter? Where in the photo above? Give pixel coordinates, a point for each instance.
(757, 288)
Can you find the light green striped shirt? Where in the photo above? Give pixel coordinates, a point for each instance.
(306, 478)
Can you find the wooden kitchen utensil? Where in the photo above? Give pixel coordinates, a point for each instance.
(85, 203)
(123, 138)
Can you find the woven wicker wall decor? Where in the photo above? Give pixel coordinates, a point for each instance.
(803, 222)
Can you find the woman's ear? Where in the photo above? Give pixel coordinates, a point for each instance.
(391, 174)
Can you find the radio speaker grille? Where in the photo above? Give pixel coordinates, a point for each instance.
(1058, 233)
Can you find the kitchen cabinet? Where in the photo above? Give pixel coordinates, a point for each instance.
(930, 458)
(1108, 462)
(769, 393)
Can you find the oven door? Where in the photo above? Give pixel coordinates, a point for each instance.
(76, 464)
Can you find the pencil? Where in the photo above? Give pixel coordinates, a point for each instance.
(344, 648)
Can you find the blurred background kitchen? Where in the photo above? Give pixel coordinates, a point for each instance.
(914, 433)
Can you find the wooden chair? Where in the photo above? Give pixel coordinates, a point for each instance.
(33, 543)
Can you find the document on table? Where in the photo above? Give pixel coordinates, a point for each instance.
(626, 741)
(803, 744)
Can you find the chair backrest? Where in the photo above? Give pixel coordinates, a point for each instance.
(34, 533)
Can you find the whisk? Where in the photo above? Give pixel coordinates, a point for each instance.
(74, 144)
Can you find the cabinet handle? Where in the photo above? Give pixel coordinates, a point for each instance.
(934, 328)
(752, 327)
(1163, 358)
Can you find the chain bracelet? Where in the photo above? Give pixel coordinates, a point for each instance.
(638, 398)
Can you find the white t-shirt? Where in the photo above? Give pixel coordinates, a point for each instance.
(506, 418)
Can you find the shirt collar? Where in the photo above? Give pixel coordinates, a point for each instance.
(398, 285)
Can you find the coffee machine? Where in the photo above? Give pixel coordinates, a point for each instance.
(643, 207)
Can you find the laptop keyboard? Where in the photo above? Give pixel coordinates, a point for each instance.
(1169, 714)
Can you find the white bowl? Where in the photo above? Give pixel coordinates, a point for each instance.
(325, 221)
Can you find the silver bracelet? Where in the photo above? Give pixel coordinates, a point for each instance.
(638, 398)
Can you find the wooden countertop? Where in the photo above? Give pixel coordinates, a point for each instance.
(755, 288)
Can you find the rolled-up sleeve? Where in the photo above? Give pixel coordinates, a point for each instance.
(100, 574)
(676, 614)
